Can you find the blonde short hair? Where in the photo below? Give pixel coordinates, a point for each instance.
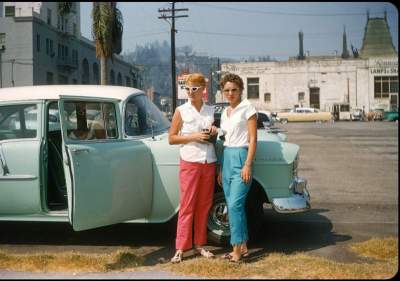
(196, 78)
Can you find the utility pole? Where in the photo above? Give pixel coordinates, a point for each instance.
(173, 30)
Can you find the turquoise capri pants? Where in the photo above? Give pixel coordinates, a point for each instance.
(235, 191)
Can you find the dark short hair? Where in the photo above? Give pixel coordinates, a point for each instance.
(230, 77)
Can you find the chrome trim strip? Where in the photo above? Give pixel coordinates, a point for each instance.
(18, 177)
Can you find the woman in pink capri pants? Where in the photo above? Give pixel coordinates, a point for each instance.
(191, 128)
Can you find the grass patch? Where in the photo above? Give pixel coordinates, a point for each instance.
(300, 265)
(381, 249)
(70, 261)
(271, 266)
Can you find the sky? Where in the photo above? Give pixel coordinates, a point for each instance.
(242, 29)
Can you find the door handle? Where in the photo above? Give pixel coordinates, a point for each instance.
(80, 150)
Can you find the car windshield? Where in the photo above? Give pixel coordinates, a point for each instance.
(142, 117)
(18, 121)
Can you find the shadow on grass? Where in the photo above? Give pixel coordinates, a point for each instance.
(283, 233)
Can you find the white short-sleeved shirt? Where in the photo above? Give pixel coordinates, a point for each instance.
(194, 121)
(234, 127)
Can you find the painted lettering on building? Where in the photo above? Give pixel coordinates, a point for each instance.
(249, 70)
(392, 70)
(381, 66)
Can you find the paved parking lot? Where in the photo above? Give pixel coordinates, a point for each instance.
(352, 170)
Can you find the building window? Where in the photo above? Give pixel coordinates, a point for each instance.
(383, 85)
(128, 81)
(59, 51)
(47, 46)
(66, 51)
(9, 11)
(49, 78)
(49, 16)
(112, 77)
(301, 96)
(51, 48)
(252, 88)
(2, 39)
(74, 81)
(38, 42)
(267, 97)
(75, 57)
(119, 79)
(75, 30)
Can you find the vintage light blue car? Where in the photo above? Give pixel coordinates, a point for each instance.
(99, 155)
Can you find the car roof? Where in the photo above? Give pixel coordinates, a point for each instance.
(51, 92)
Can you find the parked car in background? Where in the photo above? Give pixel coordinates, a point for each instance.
(357, 114)
(304, 114)
(341, 111)
(264, 122)
(109, 161)
(391, 115)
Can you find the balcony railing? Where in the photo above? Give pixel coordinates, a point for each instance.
(67, 62)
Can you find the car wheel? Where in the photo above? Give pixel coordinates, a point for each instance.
(284, 121)
(218, 221)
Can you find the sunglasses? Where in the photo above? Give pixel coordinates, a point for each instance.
(193, 89)
(234, 90)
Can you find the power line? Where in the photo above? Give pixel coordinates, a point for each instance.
(285, 13)
(265, 35)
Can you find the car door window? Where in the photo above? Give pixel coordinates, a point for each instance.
(18, 121)
(142, 117)
(90, 120)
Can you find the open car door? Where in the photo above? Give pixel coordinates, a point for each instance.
(109, 180)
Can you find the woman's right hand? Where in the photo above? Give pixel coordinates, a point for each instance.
(200, 137)
(219, 179)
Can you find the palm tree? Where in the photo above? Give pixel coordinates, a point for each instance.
(107, 31)
(64, 8)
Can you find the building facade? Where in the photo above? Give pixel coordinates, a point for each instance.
(38, 46)
(368, 79)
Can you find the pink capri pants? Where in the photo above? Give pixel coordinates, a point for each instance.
(197, 182)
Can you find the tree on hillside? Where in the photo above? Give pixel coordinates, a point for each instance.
(107, 32)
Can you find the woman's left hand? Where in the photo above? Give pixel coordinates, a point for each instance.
(245, 173)
(213, 130)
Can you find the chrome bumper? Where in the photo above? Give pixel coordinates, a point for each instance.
(298, 202)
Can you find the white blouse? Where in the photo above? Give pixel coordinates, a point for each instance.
(234, 127)
(194, 122)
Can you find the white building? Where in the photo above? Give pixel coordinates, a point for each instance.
(40, 46)
(368, 79)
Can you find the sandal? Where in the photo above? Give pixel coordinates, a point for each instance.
(178, 257)
(227, 256)
(232, 260)
(205, 253)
